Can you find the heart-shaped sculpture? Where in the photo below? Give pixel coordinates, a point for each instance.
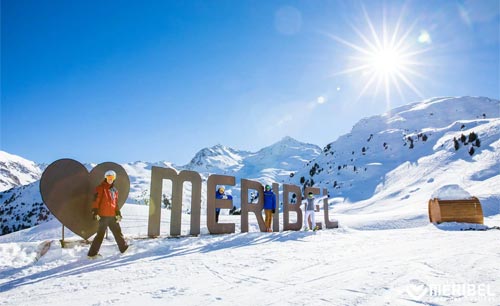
(68, 190)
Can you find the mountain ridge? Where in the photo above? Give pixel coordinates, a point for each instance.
(366, 165)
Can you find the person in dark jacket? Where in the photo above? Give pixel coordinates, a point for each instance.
(105, 209)
(269, 207)
(221, 196)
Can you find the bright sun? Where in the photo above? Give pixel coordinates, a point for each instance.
(386, 61)
(385, 58)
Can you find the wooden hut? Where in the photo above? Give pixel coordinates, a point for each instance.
(464, 210)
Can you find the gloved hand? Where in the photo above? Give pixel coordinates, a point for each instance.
(118, 216)
(95, 214)
(224, 197)
(274, 211)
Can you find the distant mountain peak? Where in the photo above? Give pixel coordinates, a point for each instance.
(288, 139)
(16, 171)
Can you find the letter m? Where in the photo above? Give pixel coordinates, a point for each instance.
(158, 174)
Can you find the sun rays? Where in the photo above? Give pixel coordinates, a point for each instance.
(387, 59)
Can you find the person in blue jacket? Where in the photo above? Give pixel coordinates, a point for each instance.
(269, 206)
(219, 194)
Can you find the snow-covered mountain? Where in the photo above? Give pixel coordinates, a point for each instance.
(415, 148)
(17, 171)
(282, 159)
(22, 207)
(219, 159)
(287, 154)
(405, 154)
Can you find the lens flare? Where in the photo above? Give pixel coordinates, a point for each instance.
(387, 58)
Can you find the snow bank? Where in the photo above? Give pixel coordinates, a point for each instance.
(451, 192)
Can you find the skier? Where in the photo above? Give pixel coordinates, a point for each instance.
(269, 206)
(309, 211)
(222, 196)
(105, 209)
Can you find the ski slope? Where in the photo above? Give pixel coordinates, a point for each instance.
(352, 265)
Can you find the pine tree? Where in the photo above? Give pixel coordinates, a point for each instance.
(456, 144)
(472, 137)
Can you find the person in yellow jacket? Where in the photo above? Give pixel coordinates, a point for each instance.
(105, 209)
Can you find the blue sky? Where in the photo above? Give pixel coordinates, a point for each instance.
(158, 80)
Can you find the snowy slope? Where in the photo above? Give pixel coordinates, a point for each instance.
(16, 171)
(346, 266)
(410, 152)
(22, 207)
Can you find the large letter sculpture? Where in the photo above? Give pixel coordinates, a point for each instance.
(158, 174)
(288, 207)
(213, 203)
(276, 216)
(250, 207)
(328, 223)
(67, 188)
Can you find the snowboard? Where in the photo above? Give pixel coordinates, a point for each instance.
(42, 249)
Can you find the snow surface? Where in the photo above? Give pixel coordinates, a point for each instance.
(352, 265)
(16, 171)
(451, 192)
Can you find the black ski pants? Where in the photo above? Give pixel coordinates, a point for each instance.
(115, 228)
